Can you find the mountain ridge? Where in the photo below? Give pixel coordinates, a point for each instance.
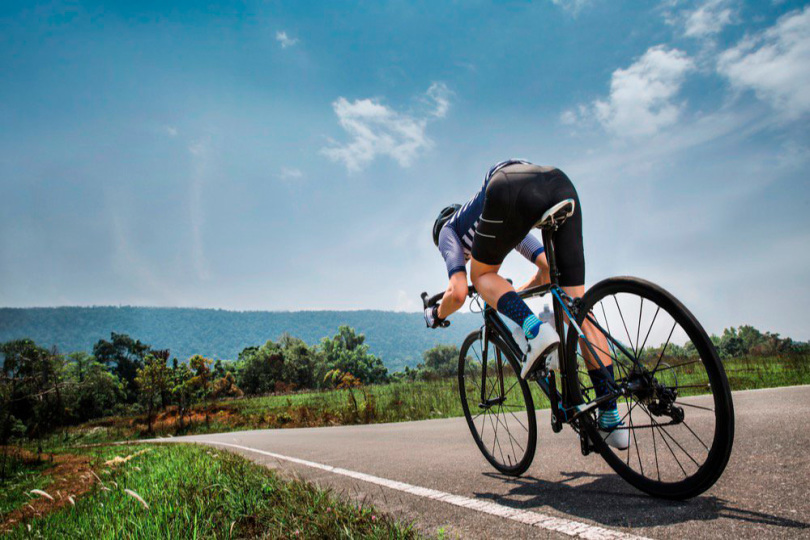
(399, 338)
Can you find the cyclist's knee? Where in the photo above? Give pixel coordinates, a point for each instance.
(479, 269)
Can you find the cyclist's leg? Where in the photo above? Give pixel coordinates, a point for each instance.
(488, 283)
(594, 336)
(571, 265)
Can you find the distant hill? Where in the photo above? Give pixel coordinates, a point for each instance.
(398, 338)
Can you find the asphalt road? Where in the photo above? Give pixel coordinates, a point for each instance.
(764, 493)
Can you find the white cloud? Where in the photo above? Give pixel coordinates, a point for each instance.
(775, 64)
(285, 40)
(641, 96)
(572, 6)
(708, 19)
(440, 95)
(171, 131)
(290, 174)
(378, 130)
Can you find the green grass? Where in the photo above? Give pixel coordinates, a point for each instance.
(397, 402)
(198, 492)
(21, 477)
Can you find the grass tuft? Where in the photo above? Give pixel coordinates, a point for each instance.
(192, 495)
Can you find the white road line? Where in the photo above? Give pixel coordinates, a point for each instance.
(533, 519)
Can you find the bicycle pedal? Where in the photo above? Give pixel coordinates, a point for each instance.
(556, 424)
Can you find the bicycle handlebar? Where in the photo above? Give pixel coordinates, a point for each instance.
(433, 300)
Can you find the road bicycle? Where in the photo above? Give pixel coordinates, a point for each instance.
(672, 390)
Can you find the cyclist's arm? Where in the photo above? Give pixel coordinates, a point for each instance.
(453, 252)
(533, 250)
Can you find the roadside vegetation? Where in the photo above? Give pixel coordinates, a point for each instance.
(52, 404)
(181, 491)
(129, 390)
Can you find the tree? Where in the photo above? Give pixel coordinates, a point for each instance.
(153, 379)
(124, 356)
(95, 392)
(34, 385)
(440, 361)
(201, 381)
(182, 390)
(226, 386)
(347, 352)
(261, 368)
(303, 366)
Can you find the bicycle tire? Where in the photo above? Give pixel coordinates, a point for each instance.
(465, 367)
(718, 455)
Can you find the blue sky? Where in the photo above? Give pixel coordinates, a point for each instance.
(292, 155)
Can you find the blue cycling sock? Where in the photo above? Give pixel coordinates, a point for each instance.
(600, 386)
(609, 419)
(513, 306)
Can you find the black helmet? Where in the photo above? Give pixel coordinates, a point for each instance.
(446, 213)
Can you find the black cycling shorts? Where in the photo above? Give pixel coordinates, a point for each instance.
(515, 200)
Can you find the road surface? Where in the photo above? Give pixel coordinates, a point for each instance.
(431, 473)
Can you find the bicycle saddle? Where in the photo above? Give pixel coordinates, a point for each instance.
(557, 214)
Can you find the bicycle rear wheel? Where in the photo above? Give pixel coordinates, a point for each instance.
(680, 414)
(497, 404)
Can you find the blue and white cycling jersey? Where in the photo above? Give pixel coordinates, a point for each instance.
(456, 237)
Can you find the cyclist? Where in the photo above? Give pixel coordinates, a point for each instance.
(498, 219)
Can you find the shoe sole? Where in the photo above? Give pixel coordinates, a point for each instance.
(533, 366)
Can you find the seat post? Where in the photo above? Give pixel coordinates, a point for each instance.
(553, 273)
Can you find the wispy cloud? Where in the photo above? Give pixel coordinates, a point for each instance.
(285, 40)
(709, 19)
(775, 64)
(290, 174)
(641, 100)
(438, 96)
(571, 6)
(375, 129)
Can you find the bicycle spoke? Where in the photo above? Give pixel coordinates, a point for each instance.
(678, 365)
(641, 351)
(607, 324)
(498, 442)
(691, 386)
(695, 434)
(664, 350)
(695, 406)
(638, 328)
(672, 452)
(629, 339)
(512, 440)
(635, 441)
(673, 440)
(518, 421)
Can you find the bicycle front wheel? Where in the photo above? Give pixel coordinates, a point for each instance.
(678, 412)
(497, 404)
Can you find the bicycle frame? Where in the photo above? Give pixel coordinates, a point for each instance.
(564, 308)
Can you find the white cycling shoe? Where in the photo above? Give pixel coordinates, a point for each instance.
(538, 348)
(618, 437)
